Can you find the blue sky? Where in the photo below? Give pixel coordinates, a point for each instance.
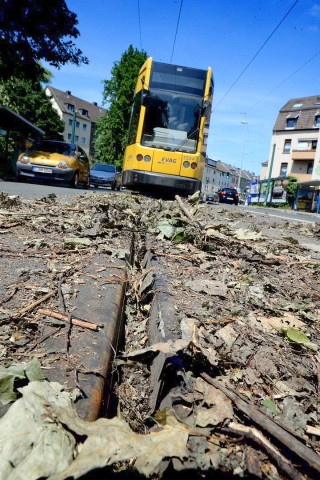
(223, 34)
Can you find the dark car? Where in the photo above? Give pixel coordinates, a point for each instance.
(103, 175)
(229, 195)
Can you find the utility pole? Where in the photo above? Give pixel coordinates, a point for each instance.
(244, 146)
(73, 126)
(269, 176)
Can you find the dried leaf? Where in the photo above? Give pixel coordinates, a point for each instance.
(245, 234)
(71, 446)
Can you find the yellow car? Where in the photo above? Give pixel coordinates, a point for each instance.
(55, 161)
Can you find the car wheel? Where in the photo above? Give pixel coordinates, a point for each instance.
(75, 180)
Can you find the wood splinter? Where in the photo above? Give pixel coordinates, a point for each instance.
(65, 318)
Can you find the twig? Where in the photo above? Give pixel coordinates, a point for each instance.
(283, 463)
(304, 262)
(32, 305)
(183, 208)
(267, 424)
(65, 318)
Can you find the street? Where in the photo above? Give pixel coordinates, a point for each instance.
(33, 190)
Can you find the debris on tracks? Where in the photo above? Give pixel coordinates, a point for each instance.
(239, 379)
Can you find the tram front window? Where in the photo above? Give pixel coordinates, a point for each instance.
(172, 121)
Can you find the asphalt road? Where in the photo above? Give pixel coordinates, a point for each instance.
(276, 214)
(30, 190)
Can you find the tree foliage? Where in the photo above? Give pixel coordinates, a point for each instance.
(111, 133)
(292, 186)
(29, 100)
(34, 30)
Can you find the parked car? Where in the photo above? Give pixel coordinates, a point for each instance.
(103, 175)
(211, 198)
(229, 195)
(54, 161)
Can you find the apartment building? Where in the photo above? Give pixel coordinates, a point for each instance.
(295, 140)
(79, 116)
(217, 175)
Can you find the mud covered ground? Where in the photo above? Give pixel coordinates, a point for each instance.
(240, 376)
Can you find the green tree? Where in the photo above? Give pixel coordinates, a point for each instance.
(29, 100)
(34, 30)
(112, 129)
(291, 188)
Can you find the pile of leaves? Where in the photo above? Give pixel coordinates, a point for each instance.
(239, 378)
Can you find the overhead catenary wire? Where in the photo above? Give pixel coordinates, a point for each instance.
(284, 81)
(177, 28)
(256, 54)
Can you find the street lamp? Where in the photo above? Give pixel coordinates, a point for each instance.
(243, 149)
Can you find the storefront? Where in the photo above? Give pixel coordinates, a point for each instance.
(308, 196)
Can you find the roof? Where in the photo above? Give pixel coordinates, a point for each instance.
(305, 109)
(64, 98)
(10, 120)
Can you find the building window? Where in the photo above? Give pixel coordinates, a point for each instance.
(283, 169)
(314, 144)
(317, 121)
(77, 124)
(83, 140)
(70, 107)
(84, 112)
(303, 145)
(70, 122)
(291, 122)
(84, 127)
(310, 168)
(287, 146)
(69, 136)
(76, 138)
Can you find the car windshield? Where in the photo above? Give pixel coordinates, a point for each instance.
(54, 147)
(104, 168)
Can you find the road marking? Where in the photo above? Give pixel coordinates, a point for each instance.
(279, 216)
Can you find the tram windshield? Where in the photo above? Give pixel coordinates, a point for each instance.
(173, 108)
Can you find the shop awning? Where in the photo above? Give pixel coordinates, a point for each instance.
(310, 184)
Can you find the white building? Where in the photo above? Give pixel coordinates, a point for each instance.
(295, 147)
(79, 116)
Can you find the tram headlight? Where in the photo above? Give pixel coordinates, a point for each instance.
(186, 164)
(147, 158)
(139, 157)
(194, 165)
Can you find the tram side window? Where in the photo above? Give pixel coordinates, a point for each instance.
(134, 120)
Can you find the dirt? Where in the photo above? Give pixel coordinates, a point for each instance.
(245, 291)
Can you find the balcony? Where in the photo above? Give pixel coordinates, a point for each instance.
(303, 154)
